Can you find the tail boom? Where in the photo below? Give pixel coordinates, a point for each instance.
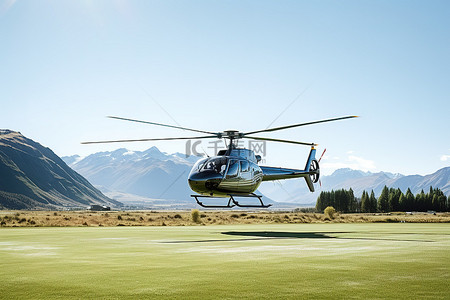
(310, 173)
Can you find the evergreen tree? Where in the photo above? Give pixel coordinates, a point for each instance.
(365, 203)
(394, 199)
(332, 199)
(342, 200)
(429, 200)
(398, 193)
(383, 204)
(420, 202)
(410, 201)
(391, 200)
(353, 206)
(319, 203)
(438, 200)
(402, 203)
(373, 202)
(435, 202)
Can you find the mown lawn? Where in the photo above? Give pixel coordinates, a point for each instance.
(377, 261)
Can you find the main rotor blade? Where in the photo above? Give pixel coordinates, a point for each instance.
(278, 140)
(159, 124)
(147, 140)
(298, 125)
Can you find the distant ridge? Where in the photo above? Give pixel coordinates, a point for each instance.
(293, 191)
(33, 177)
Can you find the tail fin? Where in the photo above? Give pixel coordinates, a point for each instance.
(312, 156)
(309, 183)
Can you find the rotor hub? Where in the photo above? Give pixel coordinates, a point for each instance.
(232, 134)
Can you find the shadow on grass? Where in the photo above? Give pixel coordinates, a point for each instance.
(311, 235)
(265, 235)
(289, 235)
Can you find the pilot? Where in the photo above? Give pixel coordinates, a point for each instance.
(217, 167)
(222, 169)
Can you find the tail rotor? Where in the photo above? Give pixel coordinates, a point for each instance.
(315, 169)
(320, 181)
(322, 154)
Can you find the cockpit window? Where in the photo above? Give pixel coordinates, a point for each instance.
(218, 165)
(198, 165)
(245, 166)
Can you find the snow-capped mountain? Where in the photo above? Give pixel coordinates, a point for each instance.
(150, 173)
(141, 178)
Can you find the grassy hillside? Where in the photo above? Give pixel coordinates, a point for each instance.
(33, 177)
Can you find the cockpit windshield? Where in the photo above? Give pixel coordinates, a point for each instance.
(217, 164)
(199, 164)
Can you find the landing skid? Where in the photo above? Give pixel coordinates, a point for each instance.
(232, 202)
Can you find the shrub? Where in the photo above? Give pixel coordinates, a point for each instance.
(177, 216)
(119, 217)
(330, 212)
(195, 215)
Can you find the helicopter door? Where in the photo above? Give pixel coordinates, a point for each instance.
(232, 177)
(246, 182)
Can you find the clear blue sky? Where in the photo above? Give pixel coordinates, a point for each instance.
(216, 65)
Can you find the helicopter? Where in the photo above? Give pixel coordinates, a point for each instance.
(235, 172)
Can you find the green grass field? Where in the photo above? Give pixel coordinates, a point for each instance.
(377, 261)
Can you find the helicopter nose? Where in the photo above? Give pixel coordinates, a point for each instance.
(197, 183)
(203, 183)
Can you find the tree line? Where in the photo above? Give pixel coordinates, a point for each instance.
(390, 199)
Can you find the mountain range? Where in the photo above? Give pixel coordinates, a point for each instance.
(150, 174)
(154, 177)
(141, 179)
(294, 191)
(34, 177)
